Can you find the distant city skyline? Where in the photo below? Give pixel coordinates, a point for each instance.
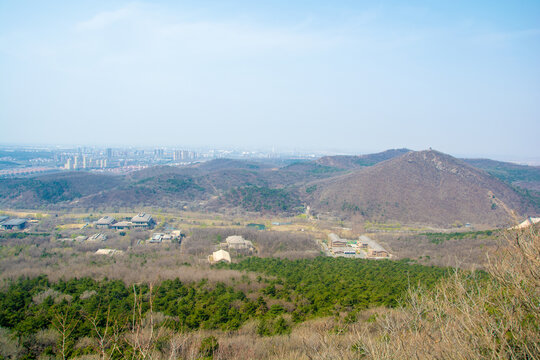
(524, 160)
(343, 77)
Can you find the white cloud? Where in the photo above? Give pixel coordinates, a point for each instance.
(139, 33)
(106, 18)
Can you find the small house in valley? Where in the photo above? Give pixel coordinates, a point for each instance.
(219, 256)
(156, 238)
(121, 225)
(237, 243)
(14, 224)
(336, 241)
(373, 248)
(105, 222)
(143, 221)
(97, 237)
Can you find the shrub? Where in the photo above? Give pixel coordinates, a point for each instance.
(471, 315)
(209, 345)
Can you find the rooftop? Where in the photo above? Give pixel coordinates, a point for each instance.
(235, 239)
(221, 255)
(108, 252)
(371, 243)
(98, 237)
(142, 217)
(238, 240)
(106, 220)
(14, 222)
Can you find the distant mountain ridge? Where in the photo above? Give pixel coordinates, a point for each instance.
(358, 161)
(424, 187)
(398, 184)
(525, 176)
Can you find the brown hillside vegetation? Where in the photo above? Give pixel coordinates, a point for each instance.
(358, 161)
(412, 187)
(492, 315)
(419, 187)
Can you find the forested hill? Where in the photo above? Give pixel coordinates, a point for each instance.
(525, 179)
(423, 187)
(395, 185)
(287, 292)
(511, 173)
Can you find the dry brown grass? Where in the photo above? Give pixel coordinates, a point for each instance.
(466, 253)
(467, 316)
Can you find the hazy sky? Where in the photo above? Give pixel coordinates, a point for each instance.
(462, 77)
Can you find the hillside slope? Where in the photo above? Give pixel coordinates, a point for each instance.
(419, 187)
(54, 189)
(525, 177)
(358, 161)
(425, 187)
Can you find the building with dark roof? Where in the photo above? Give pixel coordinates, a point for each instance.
(105, 222)
(122, 225)
(17, 224)
(98, 237)
(156, 238)
(336, 241)
(143, 221)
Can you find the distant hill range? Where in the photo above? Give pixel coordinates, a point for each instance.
(523, 176)
(420, 187)
(395, 185)
(359, 161)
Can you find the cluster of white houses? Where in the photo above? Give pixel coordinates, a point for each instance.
(139, 221)
(175, 235)
(363, 247)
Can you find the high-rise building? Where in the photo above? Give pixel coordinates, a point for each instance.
(158, 153)
(109, 153)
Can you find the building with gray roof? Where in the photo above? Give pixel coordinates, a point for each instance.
(237, 242)
(143, 221)
(122, 225)
(105, 222)
(12, 224)
(373, 248)
(98, 237)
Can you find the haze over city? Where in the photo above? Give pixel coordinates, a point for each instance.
(351, 77)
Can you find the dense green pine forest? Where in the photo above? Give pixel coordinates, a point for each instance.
(298, 290)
